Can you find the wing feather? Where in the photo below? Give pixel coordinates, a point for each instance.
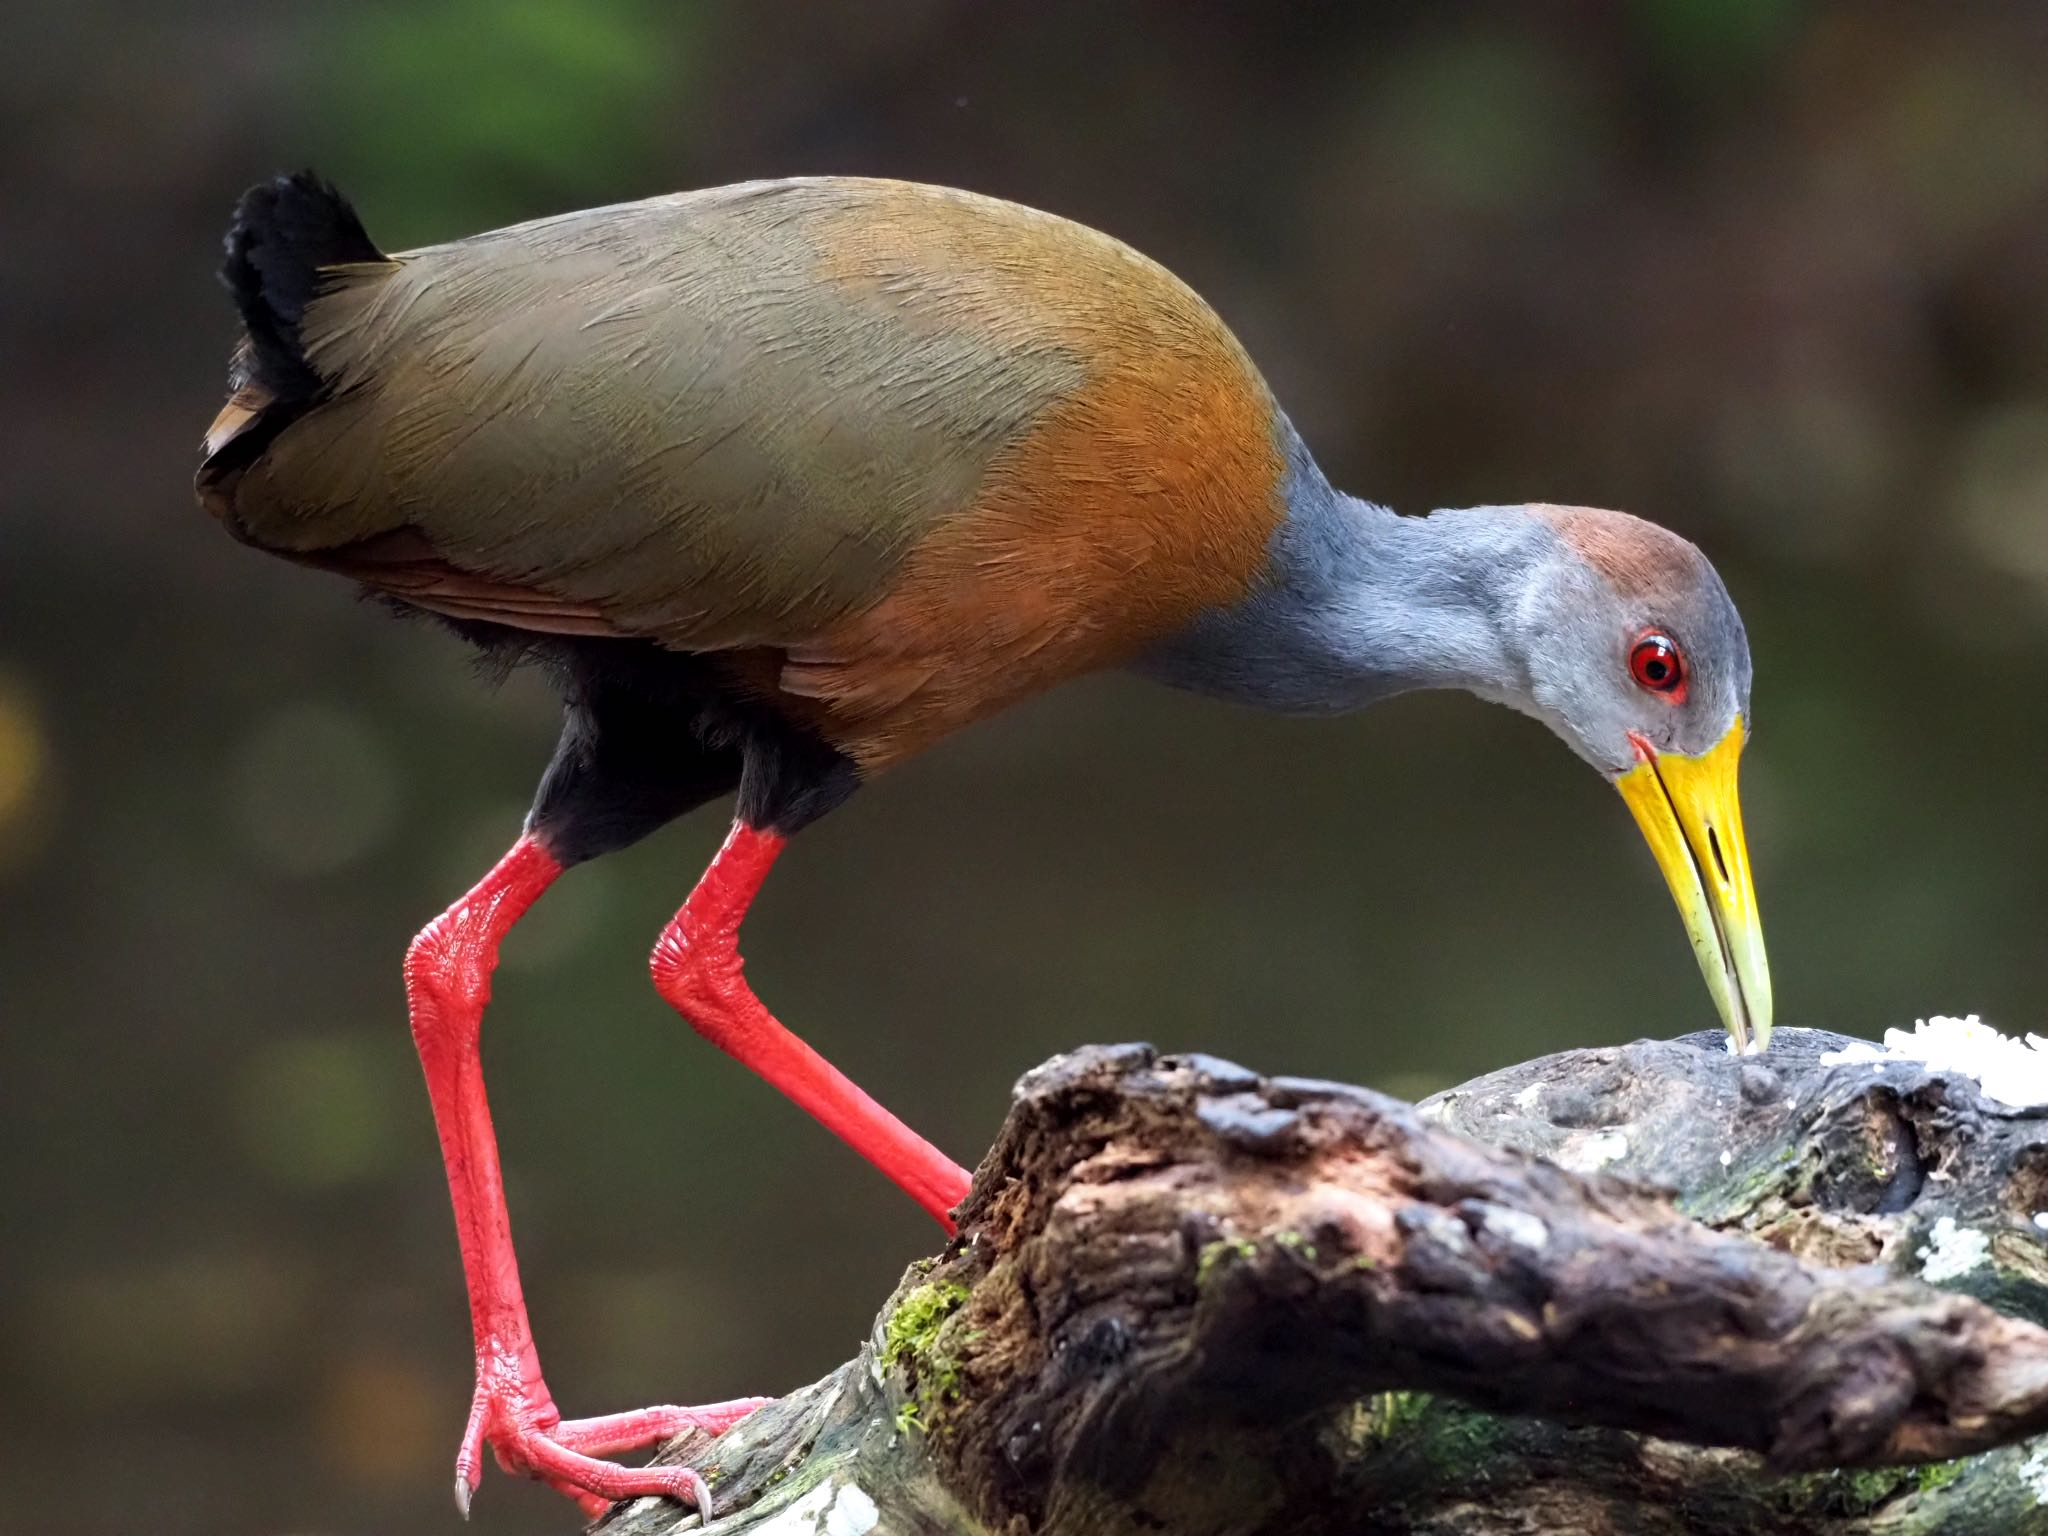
(693, 418)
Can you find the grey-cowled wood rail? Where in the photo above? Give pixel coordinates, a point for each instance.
(784, 482)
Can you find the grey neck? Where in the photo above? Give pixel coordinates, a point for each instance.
(1362, 603)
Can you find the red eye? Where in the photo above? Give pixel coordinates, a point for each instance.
(1657, 664)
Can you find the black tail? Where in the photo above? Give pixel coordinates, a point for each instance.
(285, 234)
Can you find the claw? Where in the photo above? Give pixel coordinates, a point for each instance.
(469, 1456)
(700, 1494)
(516, 1417)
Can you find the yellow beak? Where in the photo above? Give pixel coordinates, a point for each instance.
(1688, 810)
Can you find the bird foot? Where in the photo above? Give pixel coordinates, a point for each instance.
(513, 1413)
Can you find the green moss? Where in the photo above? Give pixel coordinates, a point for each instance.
(1388, 1414)
(1861, 1492)
(1238, 1249)
(913, 1342)
(1224, 1248)
(1729, 1198)
(1294, 1242)
(908, 1335)
(1937, 1475)
(1444, 1440)
(1871, 1487)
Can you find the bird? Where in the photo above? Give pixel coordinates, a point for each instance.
(782, 483)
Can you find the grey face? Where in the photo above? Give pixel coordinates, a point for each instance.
(1625, 630)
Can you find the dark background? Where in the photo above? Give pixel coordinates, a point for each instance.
(1773, 273)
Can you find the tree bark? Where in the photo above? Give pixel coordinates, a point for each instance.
(1642, 1290)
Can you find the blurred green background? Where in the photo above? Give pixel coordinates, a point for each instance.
(1774, 273)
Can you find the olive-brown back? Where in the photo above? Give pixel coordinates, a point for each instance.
(945, 448)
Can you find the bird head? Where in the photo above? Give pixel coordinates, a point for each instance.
(1633, 653)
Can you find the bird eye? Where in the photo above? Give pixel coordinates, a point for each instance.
(1657, 664)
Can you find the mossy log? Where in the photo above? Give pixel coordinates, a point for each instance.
(1633, 1291)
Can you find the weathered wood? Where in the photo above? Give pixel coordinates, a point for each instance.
(1189, 1299)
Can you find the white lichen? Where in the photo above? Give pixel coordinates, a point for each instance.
(2033, 1473)
(1518, 1227)
(1588, 1154)
(853, 1513)
(830, 1509)
(1951, 1251)
(2011, 1070)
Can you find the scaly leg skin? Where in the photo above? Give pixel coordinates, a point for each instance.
(697, 967)
(447, 983)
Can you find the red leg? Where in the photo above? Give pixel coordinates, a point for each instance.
(447, 983)
(697, 967)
